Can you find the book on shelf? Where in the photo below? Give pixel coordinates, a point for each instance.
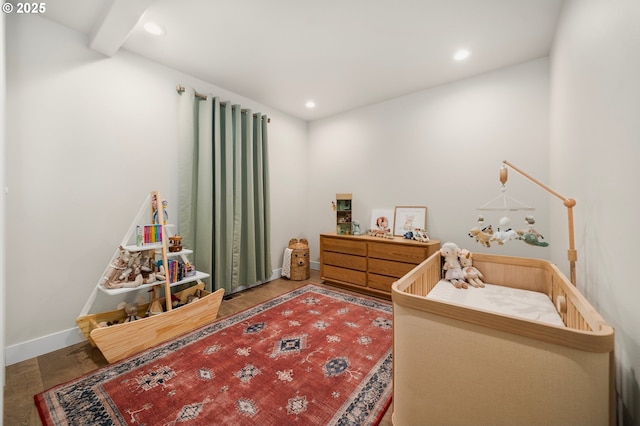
(148, 235)
(177, 270)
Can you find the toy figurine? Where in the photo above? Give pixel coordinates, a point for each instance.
(356, 228)
(452, 266)
(471, 273)
(154, 206)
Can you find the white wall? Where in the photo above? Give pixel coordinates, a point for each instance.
(79, 123)
(441, 148)
(595, 149)
(2, 203)
(88, 138)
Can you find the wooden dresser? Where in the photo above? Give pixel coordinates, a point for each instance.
(370, 264)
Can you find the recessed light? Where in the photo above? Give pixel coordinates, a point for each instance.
(461, 55)
(310, 104)
(153, 28)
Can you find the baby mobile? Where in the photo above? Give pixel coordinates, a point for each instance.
(485, 234)
(503, 233)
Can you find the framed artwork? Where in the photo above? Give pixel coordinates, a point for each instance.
(382, 220)
(408, 218)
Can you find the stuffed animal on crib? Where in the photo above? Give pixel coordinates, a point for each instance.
(453, 269)
(300, 268)
(470, 272)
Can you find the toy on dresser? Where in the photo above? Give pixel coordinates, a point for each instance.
(417, 234)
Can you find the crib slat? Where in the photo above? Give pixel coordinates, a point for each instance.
(585, 328)
(432, 338)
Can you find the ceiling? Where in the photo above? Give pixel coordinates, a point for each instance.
(342, 54)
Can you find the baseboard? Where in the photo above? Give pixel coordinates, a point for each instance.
(52, 342)
(42, 345)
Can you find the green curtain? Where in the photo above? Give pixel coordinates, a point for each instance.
(223, 189)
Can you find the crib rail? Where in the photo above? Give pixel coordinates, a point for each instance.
(585, 328)
(573, 307)
(421, 279)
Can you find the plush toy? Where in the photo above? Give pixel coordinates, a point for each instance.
(504, 236)
(115, 268)
(131, 310)
(151, 277)
(420, 235)
(482, 236)
(159, 274)
(530, 235)
(133, 272)
(300, 267)
(125, 271)
(192, 298)
(383, 234)
(470, 272)
(532, 240)
(355, 228)
(504, 232)
(155, 306)
(451, 266)
(154, 206)
(146, 267)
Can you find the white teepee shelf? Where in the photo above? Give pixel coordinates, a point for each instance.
(123, 339)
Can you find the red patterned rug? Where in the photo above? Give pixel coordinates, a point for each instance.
(313, 356)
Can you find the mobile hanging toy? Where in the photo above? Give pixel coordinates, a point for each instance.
(485, 235)
(530, 235)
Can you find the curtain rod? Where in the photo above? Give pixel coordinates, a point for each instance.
(181, 89)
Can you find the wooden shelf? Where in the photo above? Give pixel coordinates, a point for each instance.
(113, 291)
(125, 339)
(344, 213)
(184, 252)
(135, 248)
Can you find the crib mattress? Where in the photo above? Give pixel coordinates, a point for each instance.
(516, 302)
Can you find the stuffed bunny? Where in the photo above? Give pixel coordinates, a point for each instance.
(471, 274)
(452, 267)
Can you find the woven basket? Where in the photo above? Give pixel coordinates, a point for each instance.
(300, 269)
(298, 272)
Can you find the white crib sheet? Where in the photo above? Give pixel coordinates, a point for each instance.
(520, 303)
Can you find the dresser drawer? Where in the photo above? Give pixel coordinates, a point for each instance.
(399, 252)
(389, 268)
(345, 275)
(344, 260)
(342, 245)
(370, 264)
(380, 282)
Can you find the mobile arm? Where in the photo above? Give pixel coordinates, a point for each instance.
(569, 203)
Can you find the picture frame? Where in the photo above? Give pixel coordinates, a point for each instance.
(382, 219)
(408, 218)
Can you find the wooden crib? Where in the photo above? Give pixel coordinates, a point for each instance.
(455, 365)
